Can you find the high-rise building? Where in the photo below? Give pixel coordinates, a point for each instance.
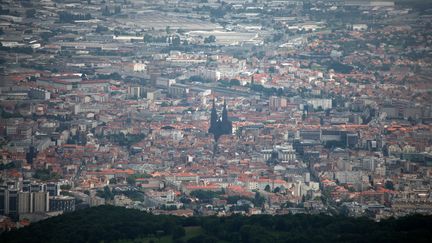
(276, 103)
(13, 203)
(36, 93)
(25, 202)
(3, 196)
(26, 186)
(37, 187)
(33, 198)
(134, 92)
(40, 202)
(286, 153)
(52, 189)
(9, 202)
(62, 203)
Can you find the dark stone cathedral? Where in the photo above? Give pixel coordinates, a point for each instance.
(219, 125)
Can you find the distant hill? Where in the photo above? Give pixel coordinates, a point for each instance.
(116, 224)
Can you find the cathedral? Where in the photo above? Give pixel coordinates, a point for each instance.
(219, 125)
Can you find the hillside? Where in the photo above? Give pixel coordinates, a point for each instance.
(115, 224)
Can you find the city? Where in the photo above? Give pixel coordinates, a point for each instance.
(215, 108)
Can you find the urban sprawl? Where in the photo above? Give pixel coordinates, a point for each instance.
(208, 107)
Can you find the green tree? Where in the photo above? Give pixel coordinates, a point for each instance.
(45, 175)
(178, 232)
(131, 180)
(234, 82)
(65, 187)
(259, 200)
(389, 185)
(107, 194)
(210, 39)
(112, 181)
(204, 195)
(176, 41)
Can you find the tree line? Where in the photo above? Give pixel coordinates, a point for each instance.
(109, 223)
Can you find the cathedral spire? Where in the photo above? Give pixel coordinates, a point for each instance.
(222, 125)
(213, 118)
(224, 112)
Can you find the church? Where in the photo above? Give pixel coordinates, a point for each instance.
(219, 125)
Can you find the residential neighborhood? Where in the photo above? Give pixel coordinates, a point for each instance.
(215, 108)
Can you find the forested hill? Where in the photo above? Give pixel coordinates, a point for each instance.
(108, 224)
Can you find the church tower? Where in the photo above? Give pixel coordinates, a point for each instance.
(226, 124)
(213, 119)
(224, 113)
(222, 125)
